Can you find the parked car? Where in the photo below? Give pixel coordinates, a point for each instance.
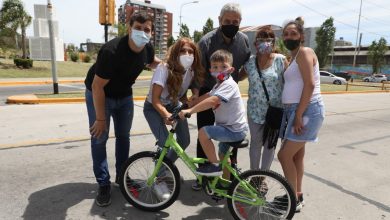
(375, 78)
(345, 75)
(327, 77)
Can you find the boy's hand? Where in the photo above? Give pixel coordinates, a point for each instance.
(183, 113)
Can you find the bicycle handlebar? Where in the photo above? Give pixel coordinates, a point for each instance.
(176, 111)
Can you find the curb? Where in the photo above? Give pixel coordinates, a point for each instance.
(33, 99)
(43, 82)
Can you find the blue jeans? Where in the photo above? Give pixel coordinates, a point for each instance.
(160, 131)
(223, 135)
(122, 111)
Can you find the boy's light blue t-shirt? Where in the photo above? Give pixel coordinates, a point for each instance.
(231, 112)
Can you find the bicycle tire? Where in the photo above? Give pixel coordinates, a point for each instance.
(275, 186)
(133, 184)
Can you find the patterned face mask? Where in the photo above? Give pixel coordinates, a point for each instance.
(265, 47)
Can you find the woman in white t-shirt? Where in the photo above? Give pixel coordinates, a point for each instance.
(168, 89)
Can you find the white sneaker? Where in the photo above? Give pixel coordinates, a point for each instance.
(161, 190)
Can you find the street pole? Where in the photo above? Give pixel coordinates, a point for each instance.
(181, 7)
(105, 33)
(357, 34)
(52, 47)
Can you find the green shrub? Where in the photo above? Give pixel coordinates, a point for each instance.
(74, 57)
(24, 63)
(87, 59)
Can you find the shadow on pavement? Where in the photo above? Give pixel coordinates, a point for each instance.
(54, 202)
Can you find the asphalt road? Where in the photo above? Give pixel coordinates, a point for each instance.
(46, 168)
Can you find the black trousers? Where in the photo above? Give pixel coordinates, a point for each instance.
(207, 118)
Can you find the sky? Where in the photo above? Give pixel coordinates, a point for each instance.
(78, 19)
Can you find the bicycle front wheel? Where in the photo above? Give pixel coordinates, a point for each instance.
(133, 182)
(272, 188)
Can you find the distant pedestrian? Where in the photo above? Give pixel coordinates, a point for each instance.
(109, 94)
(304, 108)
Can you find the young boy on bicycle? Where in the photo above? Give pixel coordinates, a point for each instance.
(225, 100)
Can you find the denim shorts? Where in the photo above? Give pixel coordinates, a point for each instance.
(312, 122)
(222, 134)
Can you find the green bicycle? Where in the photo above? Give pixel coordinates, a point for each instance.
(151, 182)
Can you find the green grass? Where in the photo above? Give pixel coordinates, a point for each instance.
(42, 69)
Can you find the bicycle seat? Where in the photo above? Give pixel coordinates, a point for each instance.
(239, 144)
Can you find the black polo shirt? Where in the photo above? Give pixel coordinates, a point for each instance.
(212, 41)
(119, 64)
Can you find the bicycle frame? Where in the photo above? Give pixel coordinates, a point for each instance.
(190, 162)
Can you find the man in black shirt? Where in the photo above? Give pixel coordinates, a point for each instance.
(109, 93)
(225, 37)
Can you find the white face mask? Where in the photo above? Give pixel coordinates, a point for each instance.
(140, 38)
(186, 61)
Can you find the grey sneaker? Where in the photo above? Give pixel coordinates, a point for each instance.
(209, 170)
(103, 197)
(161, 190)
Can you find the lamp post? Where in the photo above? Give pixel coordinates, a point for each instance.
(52, 47)
(181, 7)
(357, 35)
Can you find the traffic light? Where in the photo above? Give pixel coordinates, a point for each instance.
(111, 12)
(102, 12)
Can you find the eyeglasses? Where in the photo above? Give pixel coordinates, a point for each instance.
(261, 40)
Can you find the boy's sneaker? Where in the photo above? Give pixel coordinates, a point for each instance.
(209, 170)
(196, 186)
(161, 190)
(104, 196)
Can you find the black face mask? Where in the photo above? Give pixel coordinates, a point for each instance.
(292, 44)
(229, 30)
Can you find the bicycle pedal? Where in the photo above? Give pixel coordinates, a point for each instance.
(216, 198)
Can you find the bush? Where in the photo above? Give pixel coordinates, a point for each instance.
(74, 57)
(24, 63)
(87, 59)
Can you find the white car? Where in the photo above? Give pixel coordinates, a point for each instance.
(375, 78)
(327, 77)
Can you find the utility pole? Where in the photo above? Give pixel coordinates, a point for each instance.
(357, 34)
(52, 47)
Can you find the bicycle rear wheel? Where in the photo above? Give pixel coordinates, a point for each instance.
(279, 198)
(133, 182)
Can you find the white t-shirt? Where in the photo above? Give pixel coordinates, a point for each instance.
(160, 77)
(231, 112)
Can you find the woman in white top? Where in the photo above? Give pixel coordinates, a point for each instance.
(168, 89)
(304, 109)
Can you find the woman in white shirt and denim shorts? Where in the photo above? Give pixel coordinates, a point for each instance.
(304, 109)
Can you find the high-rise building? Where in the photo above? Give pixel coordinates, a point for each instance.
(162, 21)
(40, 43)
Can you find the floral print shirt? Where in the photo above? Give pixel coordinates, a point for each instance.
(273, 78)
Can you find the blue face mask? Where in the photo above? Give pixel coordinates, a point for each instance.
(140, 38)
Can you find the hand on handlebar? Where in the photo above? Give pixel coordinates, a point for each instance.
(168, 120)
(184, 114)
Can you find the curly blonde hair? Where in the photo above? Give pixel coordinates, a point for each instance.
(176, 70)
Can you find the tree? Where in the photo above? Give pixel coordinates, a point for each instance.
(376, 54)
(325, 41)
(197, 36)
(281, 48)
(171, 41)
(184, 31)
(117, 30)
(14, 16)
(208, 26)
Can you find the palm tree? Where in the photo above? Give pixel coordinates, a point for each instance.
(14, 16)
